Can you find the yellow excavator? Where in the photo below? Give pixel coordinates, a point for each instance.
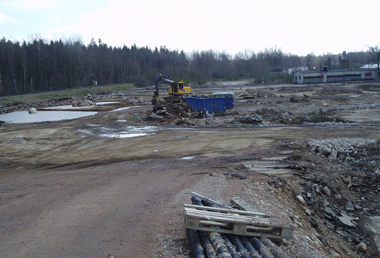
(177, 92)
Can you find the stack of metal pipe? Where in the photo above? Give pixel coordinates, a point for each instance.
(215, 245)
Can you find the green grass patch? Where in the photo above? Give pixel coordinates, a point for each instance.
(70, 93)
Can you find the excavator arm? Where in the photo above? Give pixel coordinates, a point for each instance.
(160, 78)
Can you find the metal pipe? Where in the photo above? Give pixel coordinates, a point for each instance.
(220, 245)
(196, 201)
(264, 251)
(274, 249)
(196, 246)
(210, 251)
(239, 246)
(256, 243)
(231, 247)
(252, 251)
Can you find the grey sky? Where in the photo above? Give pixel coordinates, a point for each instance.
(298, 27)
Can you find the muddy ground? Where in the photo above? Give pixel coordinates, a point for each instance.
(86, 188)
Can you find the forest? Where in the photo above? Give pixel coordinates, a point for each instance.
(41, 65)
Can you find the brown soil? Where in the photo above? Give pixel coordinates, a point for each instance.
(68, 191)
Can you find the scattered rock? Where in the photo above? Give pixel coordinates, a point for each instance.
(153, 117)
(300, 199)
(330, 212)
(252, 119)
(33, 110)
(335, 254)
(236, 175)
(346, 221)
(314, 223)
(293, 99)
(362, 247)
(338, 196)
(350, 207)
(327, 191)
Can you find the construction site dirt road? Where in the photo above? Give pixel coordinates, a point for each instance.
(111, 185)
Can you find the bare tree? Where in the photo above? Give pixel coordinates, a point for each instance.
(376, 51)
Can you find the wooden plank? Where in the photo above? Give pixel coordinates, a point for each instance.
(247, 233)
(198, 207)
(239, 228)
(225, 217)
(205, 223)
(214, 216)
(191, 222)
(233, 218)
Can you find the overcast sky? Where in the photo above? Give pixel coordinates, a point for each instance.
(296, 26)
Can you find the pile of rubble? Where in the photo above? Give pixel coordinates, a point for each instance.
(339, 184)
(254, 94)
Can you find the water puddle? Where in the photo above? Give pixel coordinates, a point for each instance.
(43, 116)
(123, 108)
(105, 103)
(119, 133)
(188, 157)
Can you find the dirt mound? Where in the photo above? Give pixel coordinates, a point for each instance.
(375, 88)
(337, 89)
(283, 117)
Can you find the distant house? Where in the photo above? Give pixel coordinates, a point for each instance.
(335, 63)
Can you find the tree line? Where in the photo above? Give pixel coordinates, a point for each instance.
(42, 66)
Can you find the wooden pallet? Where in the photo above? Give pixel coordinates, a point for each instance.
(233, 221)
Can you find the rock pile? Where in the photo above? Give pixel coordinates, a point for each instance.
(340, 179)
(250, 119)
(338, 148)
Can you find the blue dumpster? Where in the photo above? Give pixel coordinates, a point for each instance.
(228, 95)
(229, 102)
(210, 105)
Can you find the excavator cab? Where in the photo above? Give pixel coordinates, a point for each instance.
(177, 88)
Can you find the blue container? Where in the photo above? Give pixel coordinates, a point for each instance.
(210, 105)
(229, 95)
(229, 102)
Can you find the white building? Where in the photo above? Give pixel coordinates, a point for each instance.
(335, 76)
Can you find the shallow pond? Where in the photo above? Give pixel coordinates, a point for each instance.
(120, 132)
(43, 116)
